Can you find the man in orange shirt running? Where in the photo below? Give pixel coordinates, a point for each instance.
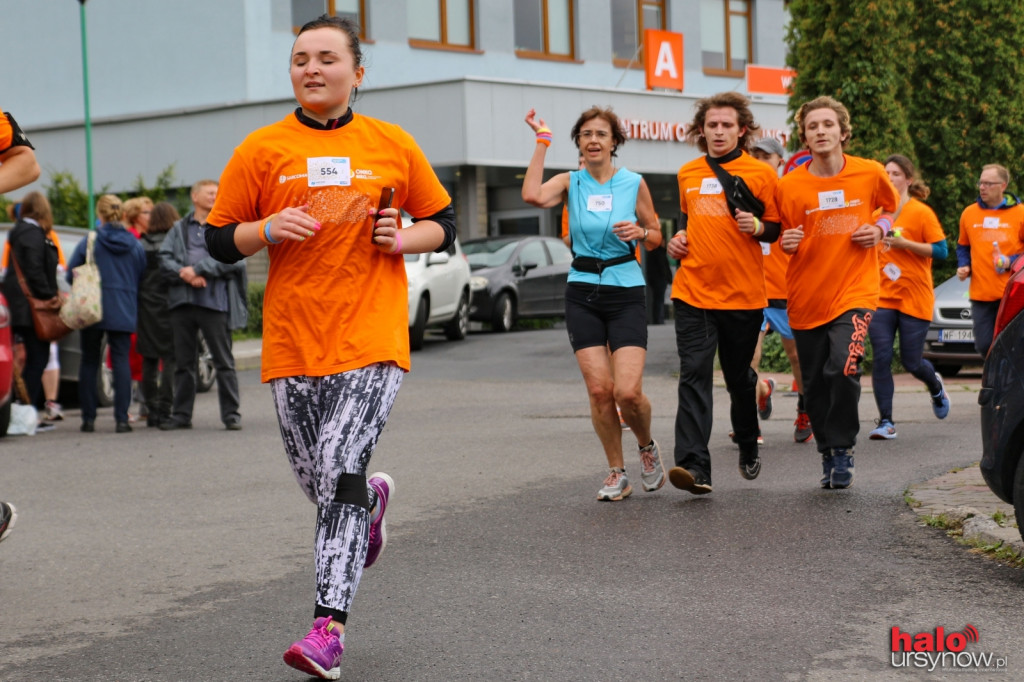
(991, 238)
(832, 279)
(718, 292)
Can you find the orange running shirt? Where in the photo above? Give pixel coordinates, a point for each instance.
(829, 274)
(906, 278)
(776, 261)
(333, 302)
(979, 227)
(724, 267)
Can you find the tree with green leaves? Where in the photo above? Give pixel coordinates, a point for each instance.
(70, 203)
(965, 103)
(847, 49)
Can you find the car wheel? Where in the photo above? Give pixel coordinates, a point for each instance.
(206, 374)
(419, 325)
(5, 417)
(504, 313)
(1018, 494)
(947, 370)
(456, 329)
(105, 378)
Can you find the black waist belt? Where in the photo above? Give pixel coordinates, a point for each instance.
(596, 265)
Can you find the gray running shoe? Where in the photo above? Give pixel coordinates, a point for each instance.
(652, 471)
(616, 487)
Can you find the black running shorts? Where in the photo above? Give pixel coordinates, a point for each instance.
(598, 315)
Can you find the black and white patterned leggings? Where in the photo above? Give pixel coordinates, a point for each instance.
(330, 426)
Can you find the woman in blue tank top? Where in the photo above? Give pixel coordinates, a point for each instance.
(610, 214)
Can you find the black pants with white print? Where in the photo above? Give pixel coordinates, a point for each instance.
(330, 426)
(830, 357)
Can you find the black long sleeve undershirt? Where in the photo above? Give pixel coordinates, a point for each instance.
(220, 241)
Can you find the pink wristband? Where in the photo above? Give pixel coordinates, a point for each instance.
(398, 243)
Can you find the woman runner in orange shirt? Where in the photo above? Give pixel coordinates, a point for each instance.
(906, 295)
(335, 334)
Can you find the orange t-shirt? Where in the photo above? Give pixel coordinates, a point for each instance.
(333, 302)
(906, 278)
(724, 267)
(829, 274)
(979, 227)
(776, 261)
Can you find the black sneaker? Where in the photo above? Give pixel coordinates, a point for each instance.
(696, 483)
(750, 464)
(174, 425)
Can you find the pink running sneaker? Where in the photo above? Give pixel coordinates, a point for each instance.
(384, 486)
(319, 653)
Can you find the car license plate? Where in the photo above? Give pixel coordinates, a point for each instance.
(954, 335)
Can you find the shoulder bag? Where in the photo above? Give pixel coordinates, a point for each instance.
(46, 317)
(737, 194)
(84, 306)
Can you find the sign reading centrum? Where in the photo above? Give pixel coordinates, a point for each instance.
(674, 131)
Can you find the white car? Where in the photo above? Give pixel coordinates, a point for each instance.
(438, 293)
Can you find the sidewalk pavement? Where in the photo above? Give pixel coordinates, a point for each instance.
(247, 353)
(958, 498)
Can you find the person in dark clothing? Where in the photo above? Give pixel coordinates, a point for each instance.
(33, 249)
(155, 338)
(121, 262)
(205, 296)
(659, 274)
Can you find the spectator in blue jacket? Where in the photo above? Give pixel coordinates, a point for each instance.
(121, 261)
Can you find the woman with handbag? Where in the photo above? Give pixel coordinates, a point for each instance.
(121, 262)
(34, 253)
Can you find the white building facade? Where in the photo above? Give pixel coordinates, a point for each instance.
(184, 82)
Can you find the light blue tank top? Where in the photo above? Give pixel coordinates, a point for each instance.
(593, 211)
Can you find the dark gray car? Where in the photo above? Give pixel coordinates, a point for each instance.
(516, 276)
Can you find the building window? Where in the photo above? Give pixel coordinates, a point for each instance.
(308, 10)
(629, 20)
(441, 23)
(544, 29)
(725, 35)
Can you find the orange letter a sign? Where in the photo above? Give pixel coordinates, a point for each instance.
(663, 59)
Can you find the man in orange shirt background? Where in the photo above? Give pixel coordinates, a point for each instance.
(718, 292)
(991, 238)
(832, 279)
(776, 261)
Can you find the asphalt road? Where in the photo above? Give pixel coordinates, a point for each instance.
(187, 555)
